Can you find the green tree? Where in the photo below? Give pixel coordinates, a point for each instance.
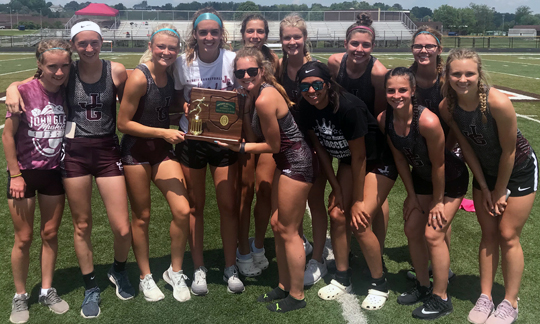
(119, 6)
(484, 18)
(420, 12)
(448, 16)
(467, 20)
(522, 11)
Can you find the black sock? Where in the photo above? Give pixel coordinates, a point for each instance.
(379, 284)
(90, 280)
(343, 278)
(288, 304)
(119, 266)
(274, 294)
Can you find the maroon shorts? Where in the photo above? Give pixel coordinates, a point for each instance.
(388, 170)
(146, 151)
(45, 182)
(99, 157)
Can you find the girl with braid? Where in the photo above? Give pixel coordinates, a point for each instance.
(505, 172)
(435, 187)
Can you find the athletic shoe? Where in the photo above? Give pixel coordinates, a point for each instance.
(177, 280)
(198, 286)
(19, 309)
(150, 290)
(315, 270)
(416, 294)
(433, 308)
(234, 284)
(481, 311)
(54, 302)
(247, 267)
(504, 314)
(259, 259)
(90, 306)
(308, 248)
(411, 274)
(124, 290)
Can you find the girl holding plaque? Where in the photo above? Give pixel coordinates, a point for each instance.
(147, 155)
(207, 64)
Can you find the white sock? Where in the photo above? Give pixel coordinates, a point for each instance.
(242, 256)
(20, 295)
(44, 291)
(256, 249)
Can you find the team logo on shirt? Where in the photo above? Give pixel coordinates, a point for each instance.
(414, 159)
(162, 112)
(477, 138)
(47, 123)
(91, 108)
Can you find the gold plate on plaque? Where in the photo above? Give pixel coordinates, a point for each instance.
(224, 120)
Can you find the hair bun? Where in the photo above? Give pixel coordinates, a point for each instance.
(364, 19)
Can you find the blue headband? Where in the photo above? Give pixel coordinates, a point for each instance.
(426, 32)
(164, 29)
(51, 49)
(207, 16)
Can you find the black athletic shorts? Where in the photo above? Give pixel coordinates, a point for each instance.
(99, 157)
(197, 154)
(521, 183)
(454, 189)
(45, 182)
(150, 151)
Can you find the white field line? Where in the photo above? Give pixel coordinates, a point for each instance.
(2, 126)
(516, 75)
(510, 62)
(20, 58)
(526, 117)
(349, 302)
(18, 71)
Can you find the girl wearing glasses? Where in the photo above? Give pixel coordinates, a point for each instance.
(435, 188)
(272, 129)
(207, 64)
(340, 126)
(361, 74)
(505, 172)
(147, 156)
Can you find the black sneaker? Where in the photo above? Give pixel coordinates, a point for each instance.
(416, 294)
(433, 308)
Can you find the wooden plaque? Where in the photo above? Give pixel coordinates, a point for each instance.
(220, 114)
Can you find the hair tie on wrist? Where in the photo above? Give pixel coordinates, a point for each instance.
(242, 147)
(16, 175)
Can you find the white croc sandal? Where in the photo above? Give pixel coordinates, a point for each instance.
(334, 290)
(375, 300)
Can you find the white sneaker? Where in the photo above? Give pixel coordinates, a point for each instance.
(198, 286)
(150, 290)
(259, 259)
(315, 270)
(308, 248)
(234, 284)
(178, 281)
(247, 267)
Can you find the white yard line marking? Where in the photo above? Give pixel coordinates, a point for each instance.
(349, 303)
(2, 126)
(510, 62)
(20, 58)
(528, 118)
(18, 71)
(516, 75)
(517, 96)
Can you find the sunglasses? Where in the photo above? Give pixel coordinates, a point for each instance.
(240, 74)
(316, 85)
(428, 47)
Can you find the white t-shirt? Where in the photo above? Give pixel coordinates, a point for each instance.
(217, 75)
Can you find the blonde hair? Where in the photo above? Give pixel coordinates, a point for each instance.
(458, 54)
(293, 20)
(423, 30)
(54, 44)
(191, 43)
(267, 76)
(147, 55)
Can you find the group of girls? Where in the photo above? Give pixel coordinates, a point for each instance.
(299, 115)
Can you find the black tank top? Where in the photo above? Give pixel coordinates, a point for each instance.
(484, 139)
(361, 87)
(414, 148)
(92, 107)
(431, 98)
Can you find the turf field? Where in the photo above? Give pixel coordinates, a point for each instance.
(516, 71)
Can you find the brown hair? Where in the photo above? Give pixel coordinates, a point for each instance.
(191, 43)
(54, 44)
(293, 20)
(267, 52)
(438, 37)
(362, 25)
(458, 54)
(267, 76)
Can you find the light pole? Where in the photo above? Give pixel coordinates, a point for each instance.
(11, 17)
(41, 21)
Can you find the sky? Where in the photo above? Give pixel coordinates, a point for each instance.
(499, 5)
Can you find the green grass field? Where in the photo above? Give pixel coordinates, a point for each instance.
(516, 71)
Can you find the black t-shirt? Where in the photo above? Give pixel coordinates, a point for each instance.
(334, 130)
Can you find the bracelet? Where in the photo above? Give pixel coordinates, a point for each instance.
(242, 147)
(15, 175)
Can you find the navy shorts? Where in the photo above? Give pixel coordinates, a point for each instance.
(521, 183)
(99, 157)
(45, 182)
(454, 188)
(147, 151)
(198, 154)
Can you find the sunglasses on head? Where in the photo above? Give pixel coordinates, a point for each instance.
(240, 74)
(316, 85)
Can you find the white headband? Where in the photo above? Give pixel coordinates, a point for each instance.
(84, 26)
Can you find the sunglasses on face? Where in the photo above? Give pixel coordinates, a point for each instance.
(252, 72)
(428, 47)
(316, 85)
